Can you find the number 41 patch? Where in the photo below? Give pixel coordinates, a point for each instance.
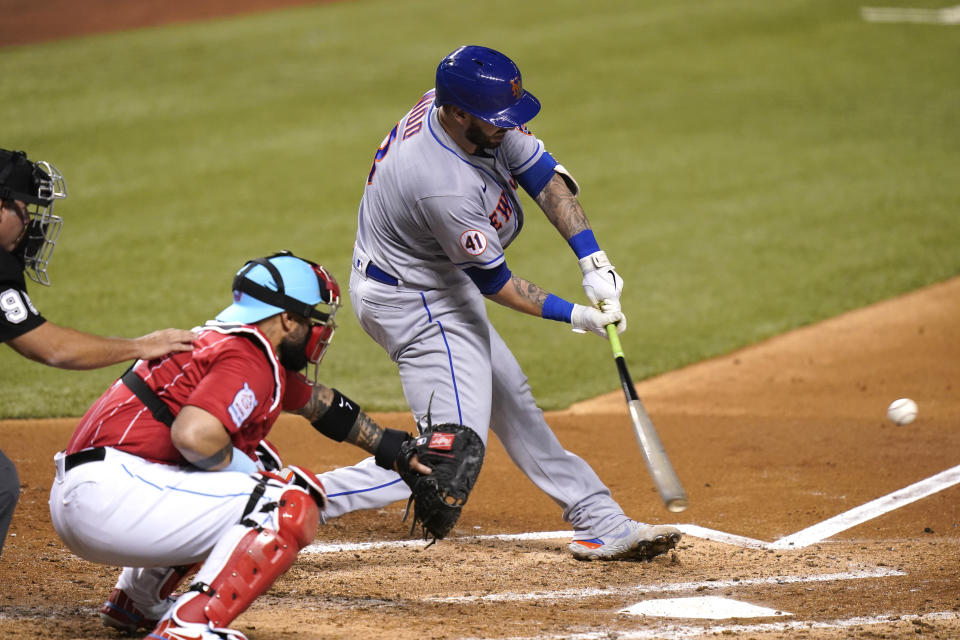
(473, 241)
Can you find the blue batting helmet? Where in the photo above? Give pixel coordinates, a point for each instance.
(485, 83)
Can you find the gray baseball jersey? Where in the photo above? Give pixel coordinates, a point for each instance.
(430, 210)
(432, 228)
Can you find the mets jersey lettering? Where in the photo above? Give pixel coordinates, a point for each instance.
(414, 120)
(502, 213)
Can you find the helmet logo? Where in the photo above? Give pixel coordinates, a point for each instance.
(516, 87)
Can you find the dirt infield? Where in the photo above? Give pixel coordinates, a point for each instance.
(26, 21)
(769, 441)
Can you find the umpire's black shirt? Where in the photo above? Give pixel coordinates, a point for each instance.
(17, 313)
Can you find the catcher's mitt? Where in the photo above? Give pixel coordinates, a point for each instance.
(455, 454)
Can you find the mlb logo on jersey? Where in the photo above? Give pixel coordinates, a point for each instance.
(442, 441)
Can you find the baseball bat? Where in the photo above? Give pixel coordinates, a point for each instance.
(664, 477)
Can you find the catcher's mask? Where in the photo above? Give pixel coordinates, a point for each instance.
(37, 185)
(283, 282)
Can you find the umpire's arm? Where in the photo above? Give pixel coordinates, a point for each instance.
(67, 348)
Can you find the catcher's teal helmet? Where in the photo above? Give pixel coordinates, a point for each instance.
(282, 282)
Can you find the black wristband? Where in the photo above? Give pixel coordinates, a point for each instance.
(389, 447)
(336, 422)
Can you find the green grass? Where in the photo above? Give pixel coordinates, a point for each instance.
(749, 166)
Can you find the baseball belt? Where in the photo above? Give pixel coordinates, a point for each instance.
(72, 460)
(378, 274)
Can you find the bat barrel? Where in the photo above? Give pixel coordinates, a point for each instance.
(654, 455)
(664, 477)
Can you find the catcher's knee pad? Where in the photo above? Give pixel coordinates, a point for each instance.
(257, 559)
(299, 516)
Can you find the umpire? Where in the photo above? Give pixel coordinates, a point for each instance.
(28, 235)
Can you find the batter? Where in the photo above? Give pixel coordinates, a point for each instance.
(439, 209)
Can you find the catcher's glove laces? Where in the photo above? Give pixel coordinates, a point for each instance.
(413, 524)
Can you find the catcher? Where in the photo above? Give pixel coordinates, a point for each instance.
(162, 474)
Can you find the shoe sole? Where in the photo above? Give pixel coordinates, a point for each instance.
(645, 551)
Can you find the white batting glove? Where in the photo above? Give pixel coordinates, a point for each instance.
(600, 279)
(586, 319)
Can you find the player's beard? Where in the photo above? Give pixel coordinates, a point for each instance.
(475, 135)
(293, 353)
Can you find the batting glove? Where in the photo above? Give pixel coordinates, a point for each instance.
(586, 319)
(600, 279)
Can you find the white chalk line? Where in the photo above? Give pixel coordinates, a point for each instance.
(803, 538)
(336, 547)
(683, 632)
(674, 587)
(721, 536)
(869, 511)
(945, 15)
(688, 529)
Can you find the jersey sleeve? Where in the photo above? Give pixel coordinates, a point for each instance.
(17, 313)
(237, 383)
(297, 392)
(529, 162)
(463, 230)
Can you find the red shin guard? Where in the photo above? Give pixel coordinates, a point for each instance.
(256, 561)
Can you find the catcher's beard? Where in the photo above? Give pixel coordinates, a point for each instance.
(293, 353)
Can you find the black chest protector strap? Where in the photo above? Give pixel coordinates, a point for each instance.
(158, 408)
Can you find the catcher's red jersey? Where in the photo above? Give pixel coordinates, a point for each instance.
(232, 372)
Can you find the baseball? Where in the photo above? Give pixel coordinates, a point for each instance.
(902, 411)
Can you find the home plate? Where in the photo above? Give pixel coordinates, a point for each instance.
(713, 607)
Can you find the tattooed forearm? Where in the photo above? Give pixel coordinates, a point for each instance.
(522, 295)
(562, 208)
(528, 291)
(365, 433)
(318, 403)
